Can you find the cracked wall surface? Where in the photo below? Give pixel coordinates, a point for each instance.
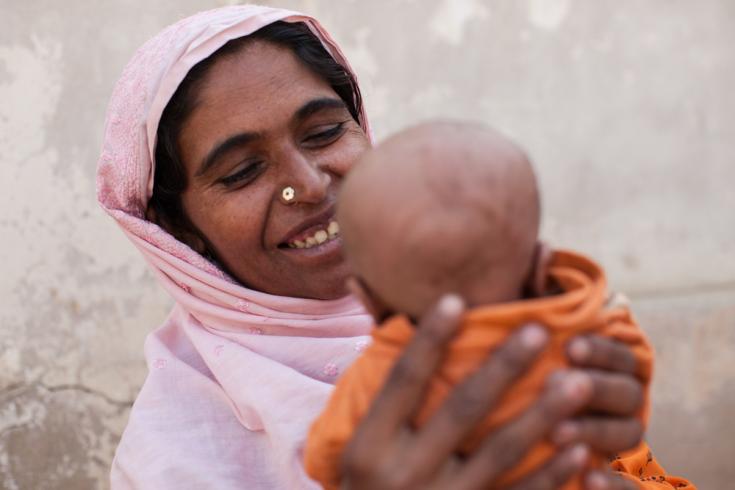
(626, 107)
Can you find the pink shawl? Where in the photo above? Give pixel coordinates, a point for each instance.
(235, 375)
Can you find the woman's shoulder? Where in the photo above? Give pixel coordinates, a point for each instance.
(181, 418)
(174, 427)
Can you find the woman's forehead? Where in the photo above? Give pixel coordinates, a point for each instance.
(260, 90)
(261, 78)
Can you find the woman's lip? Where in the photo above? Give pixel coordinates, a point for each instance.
(308, 227)
(328, 250)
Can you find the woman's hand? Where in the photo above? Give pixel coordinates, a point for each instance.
(609, 423)
(387, 453)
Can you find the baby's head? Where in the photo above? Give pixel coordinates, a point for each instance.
(442, 207)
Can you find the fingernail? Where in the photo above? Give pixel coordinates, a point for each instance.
(565, 433)
(595, 481)
(451, 304)
(576, 385)
(579, 350)
(578, 454)
(533, 336)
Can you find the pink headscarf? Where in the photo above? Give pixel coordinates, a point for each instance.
(235, 375)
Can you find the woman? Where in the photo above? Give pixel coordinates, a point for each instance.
(250, 143)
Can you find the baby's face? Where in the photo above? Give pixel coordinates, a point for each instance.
(381, 211)
(440, 208)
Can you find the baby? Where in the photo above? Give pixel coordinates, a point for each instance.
(442, 207)
(450, 207)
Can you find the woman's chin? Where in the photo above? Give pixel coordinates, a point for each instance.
(331, 287)
(318, 272)
(325, 270)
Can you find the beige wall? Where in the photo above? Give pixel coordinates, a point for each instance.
(627, 107)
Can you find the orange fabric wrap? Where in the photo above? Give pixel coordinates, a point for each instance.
(580, 308)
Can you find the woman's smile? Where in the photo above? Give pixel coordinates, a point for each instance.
(312, 231)
(320, 236)
(314, 241)
(328, 251)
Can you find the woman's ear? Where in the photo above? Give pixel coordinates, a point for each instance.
(373, 304)
(195, 242)
(152, 216)
(181, 233)
(537, 280)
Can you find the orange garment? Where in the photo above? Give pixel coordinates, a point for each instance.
(641, 467)
(580, 308)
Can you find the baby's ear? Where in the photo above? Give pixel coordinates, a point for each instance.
(536, 283)
(372, 303)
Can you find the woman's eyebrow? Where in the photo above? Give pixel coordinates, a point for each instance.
(238, 140)
(234, 141)
(316, 105)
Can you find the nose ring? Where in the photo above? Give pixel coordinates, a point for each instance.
(288, 194)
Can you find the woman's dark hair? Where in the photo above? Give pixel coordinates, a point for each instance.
(170, 175)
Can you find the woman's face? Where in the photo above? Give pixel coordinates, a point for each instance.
(262, 122)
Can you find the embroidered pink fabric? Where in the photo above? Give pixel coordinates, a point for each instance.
(235, 376)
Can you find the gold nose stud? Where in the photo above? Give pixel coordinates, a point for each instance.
(288, 194)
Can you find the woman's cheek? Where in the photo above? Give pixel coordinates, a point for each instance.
(216, 215)
(247, 212)
(352, 146)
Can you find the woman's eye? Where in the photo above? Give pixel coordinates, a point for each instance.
(243, 175)
(326, 136)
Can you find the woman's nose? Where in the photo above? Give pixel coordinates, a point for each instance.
(309, 180)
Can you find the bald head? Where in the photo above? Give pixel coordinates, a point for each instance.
(437, 208)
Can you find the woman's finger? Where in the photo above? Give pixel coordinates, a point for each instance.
(557, 472)
(404, 388)
(607, 480)
(615, 394)
(603, 434)
(598, 352)
(564, 395)
(471, 401)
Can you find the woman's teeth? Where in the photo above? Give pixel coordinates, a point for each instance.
(319, 237)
